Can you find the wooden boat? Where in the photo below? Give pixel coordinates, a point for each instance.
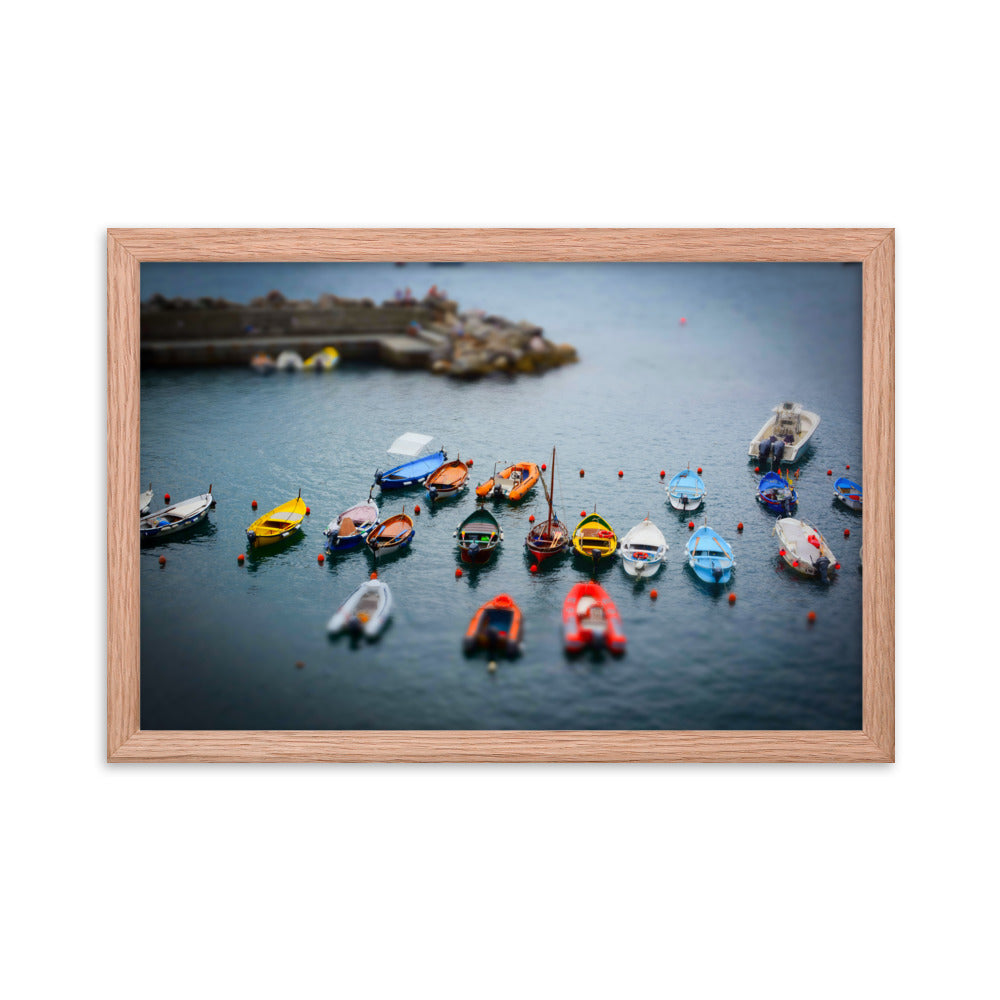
(366, 611)
(848, 492)
(590, 618)
(710, 556)
(804, 549)
(784, 437)
(413, 472)
(392, 534)
(349, 529)
(478, 536)
(686, 491)
(289, 361)
(322, 361)
(777, 493)
(446, 480)
(263, 364)
(513, 483)
(145, 499)
(643, 549)
(594, 537)
(496, 626)
(551, 537)
(175, 518)
(282, 522)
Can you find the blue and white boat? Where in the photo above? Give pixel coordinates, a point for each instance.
(848, 492)
(175, 518)
(777, 493)
(686, 491)
(710, 556)
(349, 529)
(414, 472)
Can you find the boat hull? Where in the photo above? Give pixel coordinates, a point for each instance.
(410, 473)
(174, 519)
(495, 626)
(365, 612)
(591, 619)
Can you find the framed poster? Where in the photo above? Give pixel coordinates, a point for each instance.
(602, 371)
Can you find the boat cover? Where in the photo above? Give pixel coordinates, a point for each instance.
(410, 444)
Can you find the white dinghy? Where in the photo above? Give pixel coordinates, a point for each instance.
(145, 499)
(289, 361)
(804, 548)
(785, 435)
(366, 611)
(643, 549)
(177, 517)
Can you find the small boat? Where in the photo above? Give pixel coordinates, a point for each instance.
(392, 534)
(551, 537)
(289, 361)
(513, 483)
(446, 480)
(282, 522)
(643, 549)
(348, 531)
(414, 472)
(848, 492)
(590, 618)
(478, 535)
(594, 537)
(263, 364)
(804, 548)
(785, 435)
(177, 517)
(145, 499)
(710, 556)
(776, 493)
(495, 626)
(686, 490)
(366, 611)
(322, 361)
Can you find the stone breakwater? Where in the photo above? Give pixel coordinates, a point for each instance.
(431, 333)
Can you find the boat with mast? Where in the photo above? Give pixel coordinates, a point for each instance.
(551, 537)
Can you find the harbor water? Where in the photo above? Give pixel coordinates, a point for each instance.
(230, 646)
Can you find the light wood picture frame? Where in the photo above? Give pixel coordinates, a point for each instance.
(129, 248)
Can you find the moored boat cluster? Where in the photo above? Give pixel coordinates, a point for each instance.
(589, 616)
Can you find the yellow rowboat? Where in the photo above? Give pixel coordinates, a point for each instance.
(594, 537)
(277, 524)
(322, 361)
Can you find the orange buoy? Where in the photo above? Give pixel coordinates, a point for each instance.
(683, 320)
(416, 509)
(240, 558)
(166, 498)
(732, 598)
(663, 473)
(308, 511)
(811, 616)
(533, 568)
(690, 525)
(458, 572)
(795, 563)
(781, 552)
(299, 664)
(699, 470)
(163, 560)
(581, 473)
(756, 468)
(836, 565)
(829, 472)
(739, 527)
(373, 576)
(253, 504)
(847, 532)
(544, 466)
(583, 513)
(846, 466)
(320, 558)
(469, 463)
(653, 595)
(531, 519)
(620, 473)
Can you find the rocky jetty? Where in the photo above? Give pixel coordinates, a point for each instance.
(404, 332)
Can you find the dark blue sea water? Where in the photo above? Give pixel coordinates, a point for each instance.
(220, 642)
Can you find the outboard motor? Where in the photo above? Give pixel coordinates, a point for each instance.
(717, 573)
(777, 450)
(822, 565)
(788, 505)
(764, 449)
(684, 502)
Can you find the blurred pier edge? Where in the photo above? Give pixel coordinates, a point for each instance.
(430, 333)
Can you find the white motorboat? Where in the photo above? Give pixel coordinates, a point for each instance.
(366, 611)
(145, 499)
(643, 549)
(289, 361)
(804, 548)
(177, 517)
(785, 435)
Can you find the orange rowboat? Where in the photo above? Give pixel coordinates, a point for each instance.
(446, 480)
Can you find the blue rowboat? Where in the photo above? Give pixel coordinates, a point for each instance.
(710, 556)
(686, 491)
(410, 473)
(777, 493)
(848, 492)
(348, 531)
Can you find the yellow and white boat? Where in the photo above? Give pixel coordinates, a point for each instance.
(322, 361)
(277, 524)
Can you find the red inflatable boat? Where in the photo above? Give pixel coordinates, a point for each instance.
(590, 618)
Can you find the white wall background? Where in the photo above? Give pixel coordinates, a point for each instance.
(717, 881)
